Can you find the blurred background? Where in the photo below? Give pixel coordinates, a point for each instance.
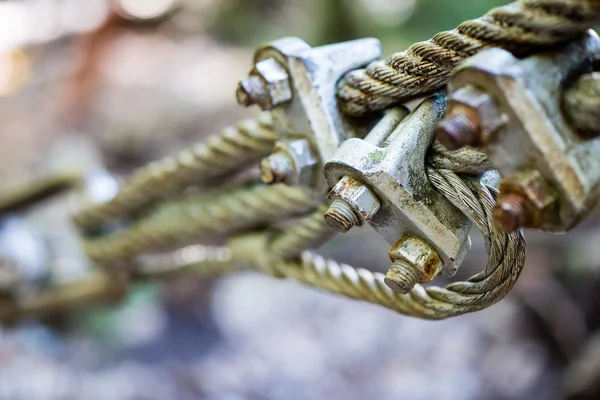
(143, 78)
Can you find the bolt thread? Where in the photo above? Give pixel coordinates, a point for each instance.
(251, 91)
(511, 213)
(276, 168)
(458, 129)
(340, 216)
(402, 276)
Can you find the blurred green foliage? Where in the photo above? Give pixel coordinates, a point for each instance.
(325, 21)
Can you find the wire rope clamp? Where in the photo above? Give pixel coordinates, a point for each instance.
(390, 163)
(515, 111)
(298, 84)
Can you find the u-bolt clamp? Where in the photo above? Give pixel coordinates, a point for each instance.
(538, 120)
(382, 180)
(298, 84)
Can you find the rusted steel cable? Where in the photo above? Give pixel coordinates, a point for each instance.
(181, 222)
(233, 147)
(522, 27)
(506, 257)
(308, 233)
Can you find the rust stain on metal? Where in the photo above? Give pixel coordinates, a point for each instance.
(460, 127)
(420, 255)
(526, 200)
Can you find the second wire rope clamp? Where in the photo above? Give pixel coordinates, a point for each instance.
(390, 166)
(297, 83)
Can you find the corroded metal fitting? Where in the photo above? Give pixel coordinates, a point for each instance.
(534, 115)
(460, 127)
(291, 162)
(414, 261)
(513, 211)
(298, 84)
(340, 216)
(471, 120)
(389, 166)
(353, 204)
(268, 86)
(276, 168)
(401, 277)
(526, 201)
(251, 91)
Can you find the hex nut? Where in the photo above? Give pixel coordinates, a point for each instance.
(251, 91)
(513, 211)
(490, 119)
(298, 163)
(419, 254)
(358, 196)
(535, 189)
(304, 159)
(276, 82)
(276, 168)
(460, 127)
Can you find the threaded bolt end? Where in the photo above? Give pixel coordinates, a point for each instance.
(250, 91)
(276, 168)
(511, 212)
(460, 127)
(340, 216)
(402, 276)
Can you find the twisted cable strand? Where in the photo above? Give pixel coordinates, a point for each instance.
(247, 142)
(522, 27)
(506, 260)
(200, 259)
(184, 221)
(466, 160)
(309, 232)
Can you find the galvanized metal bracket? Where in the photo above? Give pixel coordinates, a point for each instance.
(390, 161)
(298, 84)
(527, 136)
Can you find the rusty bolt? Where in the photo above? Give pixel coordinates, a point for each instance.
(460, 127)
(526, 200)
(414, 261)
(401, 277)
(293, 163)
(276, 168)
(512, 212)
(356, 204)
(471, 119)
(268, 86)
(340, 216)
(251, 91)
